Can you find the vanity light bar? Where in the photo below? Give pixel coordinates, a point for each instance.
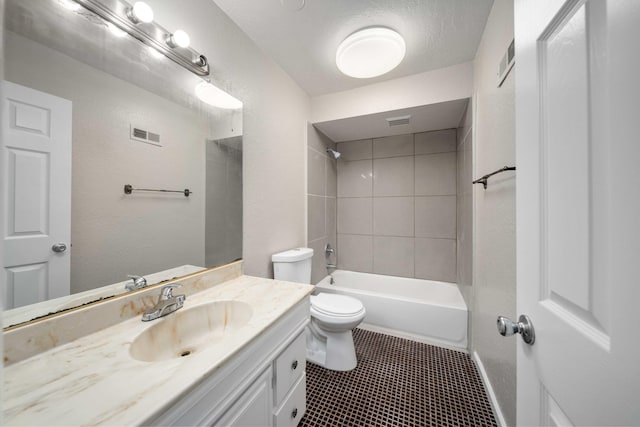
(118, 13)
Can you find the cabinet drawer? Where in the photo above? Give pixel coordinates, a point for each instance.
(290, 365)
(294, 406)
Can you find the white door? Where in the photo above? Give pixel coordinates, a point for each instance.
(36, 190)
(578, 210)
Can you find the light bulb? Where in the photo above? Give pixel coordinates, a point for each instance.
(140, 12)
(179, 39)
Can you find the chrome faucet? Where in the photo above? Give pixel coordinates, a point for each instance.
(138, 282)
(328, 250)
(330, 269)
(167, 303)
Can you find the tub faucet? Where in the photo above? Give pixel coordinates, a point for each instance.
(167, 303)
(330, 269)
(138, 282)
(328, 250)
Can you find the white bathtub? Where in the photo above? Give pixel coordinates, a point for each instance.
(423, 309)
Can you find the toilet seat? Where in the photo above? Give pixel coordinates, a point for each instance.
(334, 305)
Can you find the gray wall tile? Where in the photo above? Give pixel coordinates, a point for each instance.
(442, 141)
(356, 150)
(355, 215)
(435, 216)
(355, 253)
(393, 146)
(436, 259)
(393, 256)
(385, 221)
(316, 217)
(435, 174)
(316, 172)
(355, 179)
(393, 176)
(393, 216)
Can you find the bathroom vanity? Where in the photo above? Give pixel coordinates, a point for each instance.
(264, 384)
(233, 355)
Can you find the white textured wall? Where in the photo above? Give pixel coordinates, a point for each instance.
(113, 234)
(431, 87)
(494, 280)
(276, 112)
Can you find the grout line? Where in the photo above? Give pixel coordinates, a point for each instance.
(400, 237)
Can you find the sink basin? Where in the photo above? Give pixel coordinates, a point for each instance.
(187, 331)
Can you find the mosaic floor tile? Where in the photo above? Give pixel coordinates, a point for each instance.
(398, 382)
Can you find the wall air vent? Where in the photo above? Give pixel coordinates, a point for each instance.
(506, 63)
(395, 121)
(142, 135)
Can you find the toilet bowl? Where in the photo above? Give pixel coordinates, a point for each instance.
(330, 341)
(329, 337)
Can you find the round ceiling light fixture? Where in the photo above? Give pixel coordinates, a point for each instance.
(215, 96)
(370, 52)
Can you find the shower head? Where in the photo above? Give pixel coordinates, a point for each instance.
(334, 153)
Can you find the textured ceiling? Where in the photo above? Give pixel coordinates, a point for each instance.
(438, 33)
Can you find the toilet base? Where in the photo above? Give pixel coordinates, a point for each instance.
(331, 350)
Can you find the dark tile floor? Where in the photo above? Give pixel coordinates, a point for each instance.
(398, 382)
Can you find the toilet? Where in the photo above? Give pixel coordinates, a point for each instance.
(333, 316)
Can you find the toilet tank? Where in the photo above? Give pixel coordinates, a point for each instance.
(293, 265)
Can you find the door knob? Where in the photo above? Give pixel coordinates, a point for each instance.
(524, 327)
(59, 247)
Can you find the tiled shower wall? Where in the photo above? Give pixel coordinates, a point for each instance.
(465, 205)
(321, 200)
(396, 206)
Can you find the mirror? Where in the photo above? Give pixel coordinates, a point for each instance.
(135, 120)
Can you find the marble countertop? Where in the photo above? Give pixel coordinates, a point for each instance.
(94, 380)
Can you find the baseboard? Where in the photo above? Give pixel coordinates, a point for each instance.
(410, 336)
(497, 412)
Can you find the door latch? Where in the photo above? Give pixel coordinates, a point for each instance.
(524, 327)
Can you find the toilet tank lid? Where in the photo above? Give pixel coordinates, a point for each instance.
(292, 255)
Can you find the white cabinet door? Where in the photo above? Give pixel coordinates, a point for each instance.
(578, 210)
(254, 407)
(36, 191)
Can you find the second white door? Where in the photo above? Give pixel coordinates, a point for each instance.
(36, 176)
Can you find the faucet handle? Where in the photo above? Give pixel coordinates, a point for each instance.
(167, 291)
(138, 282)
